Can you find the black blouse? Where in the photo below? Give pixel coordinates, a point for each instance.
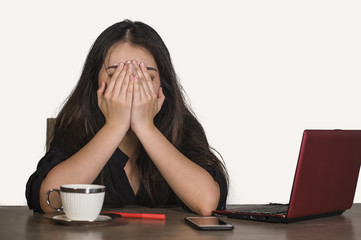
(118, 189)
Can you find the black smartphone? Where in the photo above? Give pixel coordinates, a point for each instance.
(208, 223)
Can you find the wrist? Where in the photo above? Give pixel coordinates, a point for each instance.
(144, 129)
(115, 130)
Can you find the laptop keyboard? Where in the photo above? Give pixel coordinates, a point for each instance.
(269, 209)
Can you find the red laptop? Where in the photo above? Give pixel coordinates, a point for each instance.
(324, 183)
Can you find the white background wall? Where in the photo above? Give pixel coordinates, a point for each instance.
(257, 74)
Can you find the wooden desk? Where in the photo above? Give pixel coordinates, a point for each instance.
(21, 223)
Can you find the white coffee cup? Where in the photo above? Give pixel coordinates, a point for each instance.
(81, 202)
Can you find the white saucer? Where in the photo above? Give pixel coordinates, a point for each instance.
(62, 219)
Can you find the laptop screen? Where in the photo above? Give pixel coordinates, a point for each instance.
(326, 173)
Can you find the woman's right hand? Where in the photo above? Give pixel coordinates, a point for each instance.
(115, 98)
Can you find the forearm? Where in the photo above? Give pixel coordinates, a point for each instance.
(192, 184)
(84, 166)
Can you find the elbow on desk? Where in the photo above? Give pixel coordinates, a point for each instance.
(208, 205)
(206, 210)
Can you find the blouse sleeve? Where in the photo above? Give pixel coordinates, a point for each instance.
(52, 158)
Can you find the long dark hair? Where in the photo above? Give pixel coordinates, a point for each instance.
(81, 118)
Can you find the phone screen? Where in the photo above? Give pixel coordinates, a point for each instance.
(208, 223)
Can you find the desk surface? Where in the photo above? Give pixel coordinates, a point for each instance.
(21, 223)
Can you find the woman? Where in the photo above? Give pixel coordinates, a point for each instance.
(126, 126)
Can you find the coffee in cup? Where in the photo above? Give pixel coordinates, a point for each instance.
(80, 202)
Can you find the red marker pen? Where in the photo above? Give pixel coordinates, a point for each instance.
(138, 215)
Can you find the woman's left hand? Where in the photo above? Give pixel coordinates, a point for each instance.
(147, 102)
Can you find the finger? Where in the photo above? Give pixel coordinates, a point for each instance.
(142, 80)
(130, 70)
(143, 88)
(137, 70)
(119, 80)
(100, 92)
(161, 98)
(129, 97)
(142, 91)
(124, 86)
(136, 91)
(148, 79)
(113, 80)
